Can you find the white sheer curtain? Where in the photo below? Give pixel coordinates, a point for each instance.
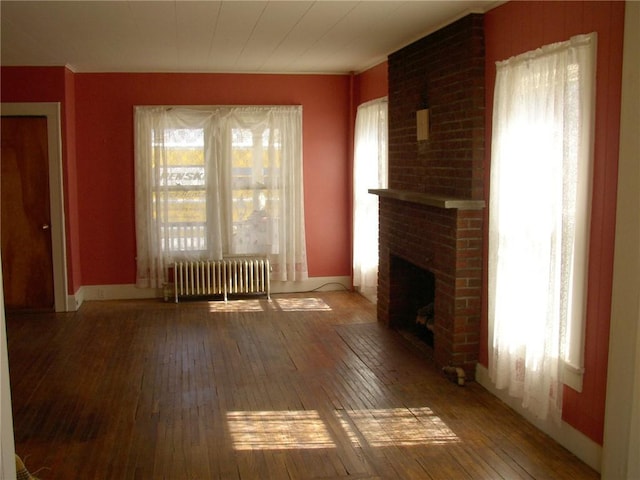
(539, 219)
(369, 171)
(265, 180)
(219, 181)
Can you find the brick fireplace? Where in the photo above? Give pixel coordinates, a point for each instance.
(431, 216)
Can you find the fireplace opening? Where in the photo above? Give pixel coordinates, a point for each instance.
(412, 300)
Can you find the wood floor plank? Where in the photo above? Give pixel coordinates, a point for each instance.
(304, 386)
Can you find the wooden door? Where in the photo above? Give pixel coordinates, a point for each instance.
(27, 262)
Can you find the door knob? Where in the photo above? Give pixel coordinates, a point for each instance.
(45, 227)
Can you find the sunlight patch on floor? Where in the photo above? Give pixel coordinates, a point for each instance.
(278, 430)
(304, 429)
(253, 305)
(302, 304)
(306, 304)
(396, 427)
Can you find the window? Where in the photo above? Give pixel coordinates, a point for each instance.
(183, 221)
(219, 181)
(256, 172)
(539, 221)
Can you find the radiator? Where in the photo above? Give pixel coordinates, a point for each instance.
(231, 275)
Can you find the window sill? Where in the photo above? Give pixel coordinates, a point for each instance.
(572, 377)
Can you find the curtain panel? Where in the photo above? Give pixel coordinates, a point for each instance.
(370, 167)
(539, 212)
(218, 181)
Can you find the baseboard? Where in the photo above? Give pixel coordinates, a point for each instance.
(130, 291)
(313, 284)
(115, 292)
(576, 442)
(75, 301)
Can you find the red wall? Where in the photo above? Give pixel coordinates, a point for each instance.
(372, 83)
(104, 118)
(53, 84)
(517, 27)
(97, 128)
(33, 84)
(71, 182)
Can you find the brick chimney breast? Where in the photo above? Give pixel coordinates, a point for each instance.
(432, 213)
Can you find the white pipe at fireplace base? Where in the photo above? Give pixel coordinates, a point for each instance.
(455, 372)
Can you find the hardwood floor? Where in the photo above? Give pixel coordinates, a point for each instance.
(304, 386)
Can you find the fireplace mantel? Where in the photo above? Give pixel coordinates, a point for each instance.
(429, 199)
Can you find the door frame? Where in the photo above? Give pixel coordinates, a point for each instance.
(621, 441)
(51, 110)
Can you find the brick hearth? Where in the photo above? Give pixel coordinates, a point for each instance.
(431, 215)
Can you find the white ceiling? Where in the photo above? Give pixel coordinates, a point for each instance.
(214, 36)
